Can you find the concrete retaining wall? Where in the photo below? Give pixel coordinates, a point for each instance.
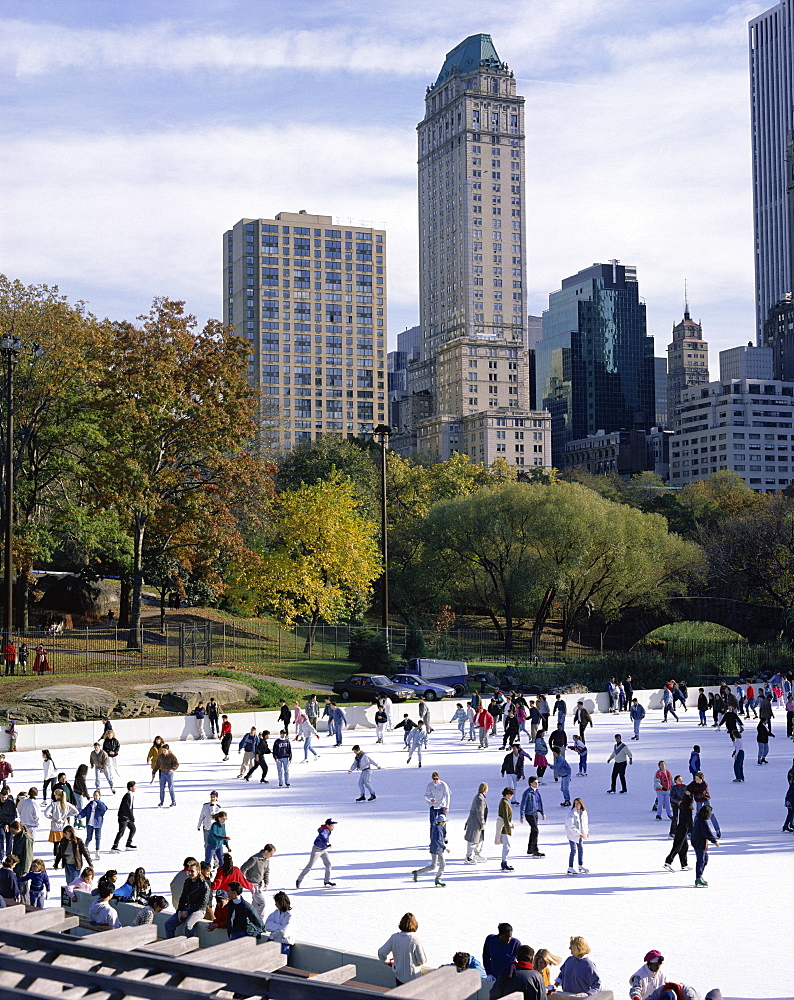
(175, 728)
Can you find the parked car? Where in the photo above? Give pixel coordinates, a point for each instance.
(430, 690)
(368, 687)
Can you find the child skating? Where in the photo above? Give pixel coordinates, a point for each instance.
(438, 848)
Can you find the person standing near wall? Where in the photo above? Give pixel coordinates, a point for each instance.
(226, 736)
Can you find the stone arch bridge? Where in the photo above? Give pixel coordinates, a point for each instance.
(756, 622)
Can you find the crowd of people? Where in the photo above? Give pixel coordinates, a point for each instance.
(234, 899)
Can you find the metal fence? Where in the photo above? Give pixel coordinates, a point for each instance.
(261, 647)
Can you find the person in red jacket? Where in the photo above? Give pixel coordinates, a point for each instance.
(229, 872)
(226, 736)
(484, 722)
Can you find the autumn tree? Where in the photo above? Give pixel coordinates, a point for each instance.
(176, 413)
(54, 422)
(322, 559)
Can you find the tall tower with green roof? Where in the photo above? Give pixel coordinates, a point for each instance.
(472, 248)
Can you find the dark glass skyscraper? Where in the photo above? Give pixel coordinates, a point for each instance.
(595, 363)
(771, 101)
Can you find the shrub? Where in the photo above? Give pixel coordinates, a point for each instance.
(369, 650)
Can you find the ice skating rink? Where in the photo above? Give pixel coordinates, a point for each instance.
(735, 935)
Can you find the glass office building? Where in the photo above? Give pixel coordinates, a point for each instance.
(595, 361)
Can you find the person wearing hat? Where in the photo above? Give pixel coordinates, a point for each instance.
(438, 848)
(363, 763)
(320, 848)
(676, 991)
(647, 978)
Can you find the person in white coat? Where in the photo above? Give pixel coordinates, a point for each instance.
(406, 950)
(278, 924)
(387, 707)
(648, 978)
(208, 810)
(577, 830)
(438, 797)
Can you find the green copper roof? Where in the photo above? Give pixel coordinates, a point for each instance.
(468, 55)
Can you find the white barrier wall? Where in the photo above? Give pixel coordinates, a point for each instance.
(173, 729)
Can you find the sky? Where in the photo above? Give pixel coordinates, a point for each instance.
(135, 135)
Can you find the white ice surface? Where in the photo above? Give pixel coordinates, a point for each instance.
(735, 935)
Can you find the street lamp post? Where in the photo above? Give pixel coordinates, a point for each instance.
(10, 350)
(383, 431)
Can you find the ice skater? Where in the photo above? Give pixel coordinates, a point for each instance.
(562, 770)
(702, 836)
(474, 830)
(541, 761)
(406, 725)
(282, 755)
(682, 830)
(504, 826)
(580, 747)
(577, 830)
(668, 704)
(380, 723)
(461, 720)
(694, 760)
(363, 764)
(762, 738)
(513, 768)
(416, 740)
(438, 848)
(438, 797)
(636, 714)
(320, 848)
(663, 783)
(620, 755)
(738, 758)
(530, 809)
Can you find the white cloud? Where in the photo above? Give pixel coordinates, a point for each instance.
(138, 215)
(637, 148)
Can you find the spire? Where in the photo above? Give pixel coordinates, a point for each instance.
(686, 302)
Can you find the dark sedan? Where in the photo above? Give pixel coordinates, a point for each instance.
(368, 687)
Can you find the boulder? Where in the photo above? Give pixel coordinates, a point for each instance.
(72, 702)
(183, 697)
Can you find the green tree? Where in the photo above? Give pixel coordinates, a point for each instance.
(751, 553)
(323, 557)
(328, 456)
(176, 413)
(54, 420)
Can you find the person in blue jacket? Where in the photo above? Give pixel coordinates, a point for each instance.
(703, 834)
(247, 747)
(282, 755)
(562, 770)
(462, 960)
(320, 848)
(694, 761)
(94, 815)
(438, 848)
(499, 951)
(636, 714)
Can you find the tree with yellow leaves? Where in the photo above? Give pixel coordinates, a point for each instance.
(323, 558)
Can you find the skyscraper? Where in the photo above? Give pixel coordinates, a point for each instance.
(472, 242)
(595, 364)
(687, 360)
(772, 106)
(310, 297)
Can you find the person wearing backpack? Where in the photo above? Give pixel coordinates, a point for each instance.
(241, 918)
